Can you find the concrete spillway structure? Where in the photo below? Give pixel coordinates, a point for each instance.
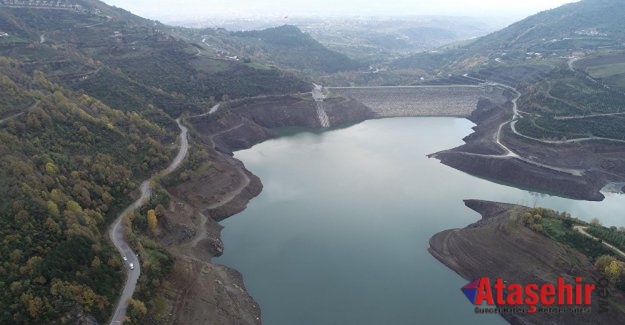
(319, 96)
(323, 117)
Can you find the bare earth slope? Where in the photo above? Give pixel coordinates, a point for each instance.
(499, 246)
(199, 291)
(551, 168)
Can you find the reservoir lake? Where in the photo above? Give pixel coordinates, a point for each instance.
(339, 234)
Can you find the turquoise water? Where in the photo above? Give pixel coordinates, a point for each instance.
(339, 234)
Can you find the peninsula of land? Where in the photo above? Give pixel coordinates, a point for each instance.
(501, 245)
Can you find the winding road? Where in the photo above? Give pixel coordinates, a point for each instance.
(508, 152)
(576, 117)
(571, 62)
(512, 122)
(582, 230)
(10, 117)
(20, 113)
(116, 232)
(213, 110)
(516, 115)
(246, 180)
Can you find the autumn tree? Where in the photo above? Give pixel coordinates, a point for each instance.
(603, 261)
(53, 208)
(152, 220)
(527, 219)
(136, 308)
(614, 270)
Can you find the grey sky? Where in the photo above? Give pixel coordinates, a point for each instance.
(169, 9)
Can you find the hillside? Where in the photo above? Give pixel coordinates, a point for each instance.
(563, 70)
(284, 47)
(380, 40)
(531, 245)
(88, 98)
(67, 167)
(587, 25)
(88, 94)
(288, 46)
(115, 55)
(584, 25)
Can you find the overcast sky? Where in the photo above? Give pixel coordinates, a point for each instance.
(183, 9)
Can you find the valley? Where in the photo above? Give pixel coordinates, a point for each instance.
(115, 124)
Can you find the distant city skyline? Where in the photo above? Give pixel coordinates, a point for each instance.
(197, 9)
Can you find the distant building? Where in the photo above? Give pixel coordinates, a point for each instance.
(590, 32)
(37, 4)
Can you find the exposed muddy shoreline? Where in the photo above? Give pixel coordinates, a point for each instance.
(538, 169)
(194, 234)
(200, 291)
(500, 246)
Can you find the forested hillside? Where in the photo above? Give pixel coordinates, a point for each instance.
(67, 166)
(87, 105)
(290, 47)
(587, 25)
(130, 62)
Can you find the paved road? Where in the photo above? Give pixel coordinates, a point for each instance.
(182, 152)
(116, 232)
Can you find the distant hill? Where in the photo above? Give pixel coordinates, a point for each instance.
(383, 39)
(368, 39)
(285, 46)
(568, 63)
(130, 62)
(586, 25)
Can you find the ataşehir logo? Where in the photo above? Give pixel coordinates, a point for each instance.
(514, 294)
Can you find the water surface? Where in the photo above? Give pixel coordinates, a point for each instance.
(339, 234)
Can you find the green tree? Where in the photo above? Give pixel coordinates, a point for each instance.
(567, 223)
